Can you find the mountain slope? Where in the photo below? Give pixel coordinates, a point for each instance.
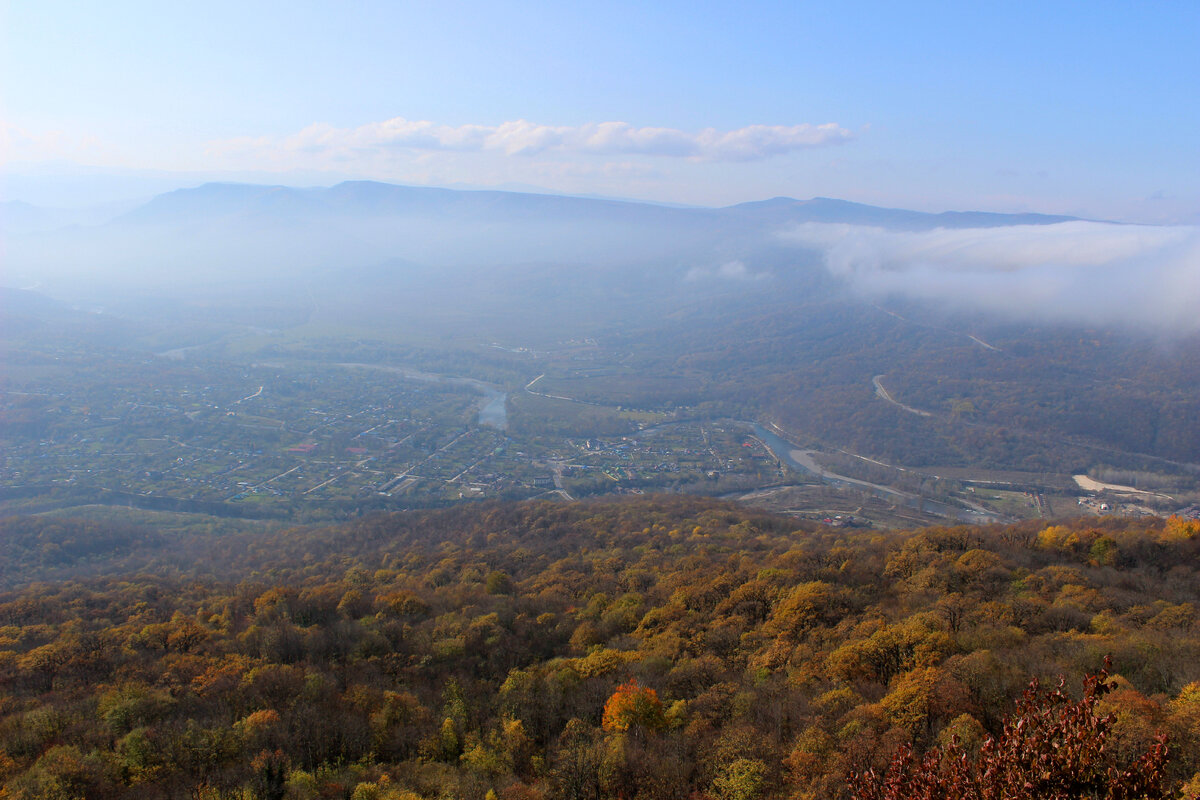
(655, 648)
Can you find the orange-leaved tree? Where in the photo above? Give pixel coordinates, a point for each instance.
(633, 709)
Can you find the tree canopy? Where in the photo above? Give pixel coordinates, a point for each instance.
(651, 648)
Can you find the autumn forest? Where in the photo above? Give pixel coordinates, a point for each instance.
(643, 648)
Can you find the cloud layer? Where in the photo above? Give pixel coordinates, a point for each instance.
(523, 138)
(1134, 275)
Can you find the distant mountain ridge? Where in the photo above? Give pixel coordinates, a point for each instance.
(382, 199)
(825, 209)
(270, 237)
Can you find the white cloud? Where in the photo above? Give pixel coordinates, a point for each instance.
(521, 137)
(1146, 276)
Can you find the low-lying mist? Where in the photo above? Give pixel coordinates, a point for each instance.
(1092, 273)
(382, 252)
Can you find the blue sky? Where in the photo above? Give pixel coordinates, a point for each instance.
(1084, 108)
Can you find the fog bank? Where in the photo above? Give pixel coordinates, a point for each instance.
(1083, 272)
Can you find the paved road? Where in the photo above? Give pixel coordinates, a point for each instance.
(884, 394)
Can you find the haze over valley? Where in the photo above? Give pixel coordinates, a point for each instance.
(918, 358)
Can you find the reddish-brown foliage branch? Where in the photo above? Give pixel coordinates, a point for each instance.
(1055, 748)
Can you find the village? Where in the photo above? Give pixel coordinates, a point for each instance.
(286, 439)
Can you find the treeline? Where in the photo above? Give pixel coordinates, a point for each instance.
(647, 648)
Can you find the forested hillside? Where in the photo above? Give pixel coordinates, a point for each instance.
(657, 648)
